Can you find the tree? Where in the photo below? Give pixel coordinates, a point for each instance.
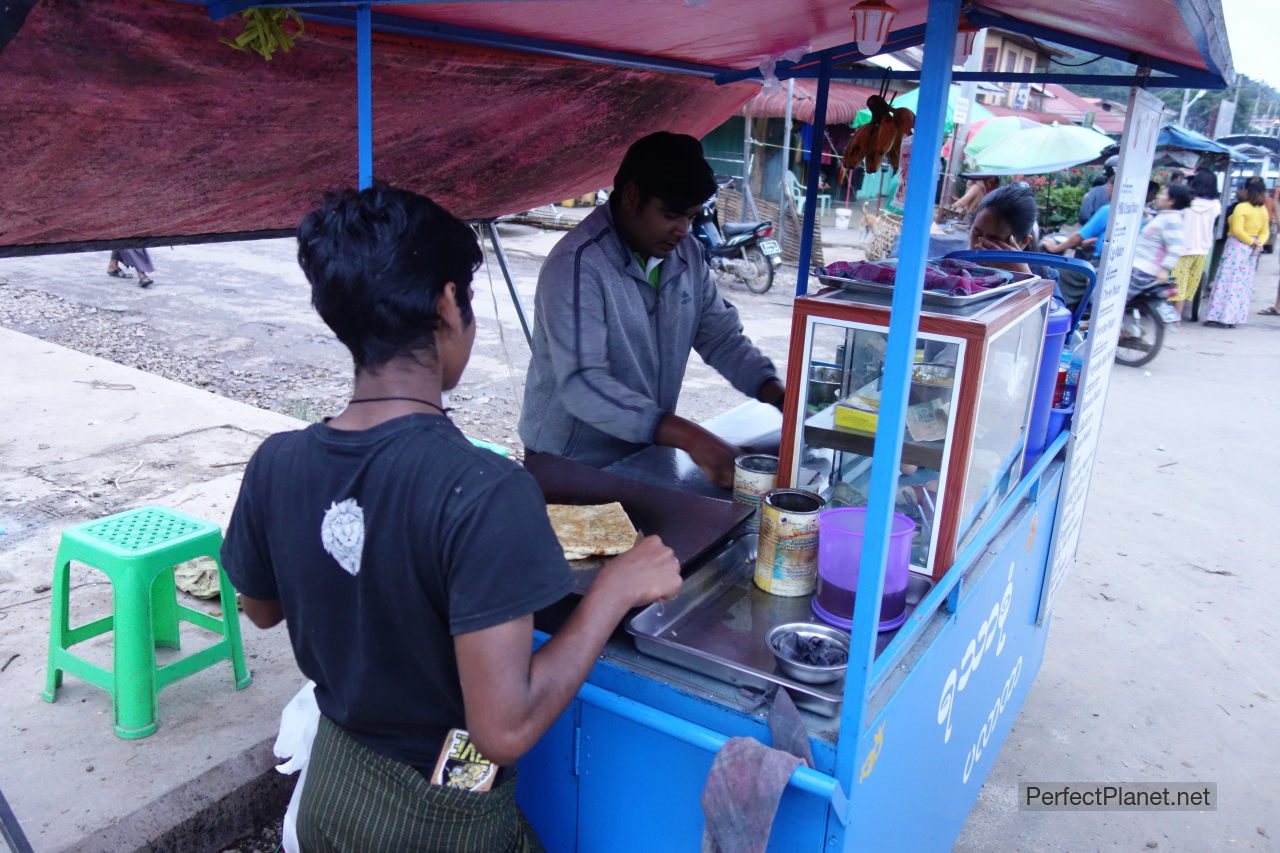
(1256, 101)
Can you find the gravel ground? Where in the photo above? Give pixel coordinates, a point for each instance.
(294, 371)
(265, 840)
(114, 335)
(235, 319)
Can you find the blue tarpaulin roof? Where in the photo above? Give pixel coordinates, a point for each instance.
(1173, 136)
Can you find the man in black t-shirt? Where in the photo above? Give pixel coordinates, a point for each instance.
(407, 563)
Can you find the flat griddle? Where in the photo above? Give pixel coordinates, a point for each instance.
(690, 525)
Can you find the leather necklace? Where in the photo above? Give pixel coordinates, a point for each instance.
(438, 408)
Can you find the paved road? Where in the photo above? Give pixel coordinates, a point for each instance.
(1163, 662)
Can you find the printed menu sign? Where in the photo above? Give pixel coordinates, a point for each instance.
(1137, 151)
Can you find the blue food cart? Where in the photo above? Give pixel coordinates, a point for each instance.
(902, 747)
(901, 752)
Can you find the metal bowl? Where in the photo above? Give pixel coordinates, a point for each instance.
(824, 385)
(809, 673)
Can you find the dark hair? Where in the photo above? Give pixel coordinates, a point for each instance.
(1015, 205)
(1153, 190)
(1255, 191)
(1204, 184)
(670, 166)
(378, 260)
(1180, 195)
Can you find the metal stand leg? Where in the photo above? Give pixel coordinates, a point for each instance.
(511, 282)
(11, 830)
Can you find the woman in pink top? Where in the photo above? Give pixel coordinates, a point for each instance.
(1197, 235)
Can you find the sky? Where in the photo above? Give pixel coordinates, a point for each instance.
(1253, 29)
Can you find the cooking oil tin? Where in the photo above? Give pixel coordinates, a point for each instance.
(753, 475)
(787, 554)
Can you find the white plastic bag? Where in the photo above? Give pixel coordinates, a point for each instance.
(298, 723)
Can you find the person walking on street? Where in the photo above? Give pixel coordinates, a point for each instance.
(1197, 236)
(1233, 286)
(139, 259)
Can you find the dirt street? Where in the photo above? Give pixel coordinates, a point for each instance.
(236, 320)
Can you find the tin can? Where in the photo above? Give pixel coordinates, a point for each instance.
(787, 555)
(753, 475)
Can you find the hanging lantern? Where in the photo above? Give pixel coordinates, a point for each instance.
(965, 37)
(871, 23)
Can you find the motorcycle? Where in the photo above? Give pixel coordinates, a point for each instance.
(741, 249)
(1147, 311)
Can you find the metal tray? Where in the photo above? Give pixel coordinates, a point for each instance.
(718, 622)
(929, 297)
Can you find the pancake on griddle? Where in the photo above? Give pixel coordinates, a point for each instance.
(588, 531)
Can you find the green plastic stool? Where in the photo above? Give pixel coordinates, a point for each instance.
(138, 550)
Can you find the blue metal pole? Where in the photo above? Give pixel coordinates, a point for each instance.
(904, 321)
(364, 89)
(813, 176)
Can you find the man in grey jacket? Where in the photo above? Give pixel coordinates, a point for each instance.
(622, 300)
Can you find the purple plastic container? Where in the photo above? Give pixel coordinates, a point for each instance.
(1055, 334)
(840, 534)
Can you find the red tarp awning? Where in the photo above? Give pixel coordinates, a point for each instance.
(843, 102)
(741, 33)
(127, 119)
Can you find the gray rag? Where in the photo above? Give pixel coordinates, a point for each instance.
(787, 727)
(747, 779)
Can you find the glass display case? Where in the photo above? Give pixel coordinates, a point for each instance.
(972, 385)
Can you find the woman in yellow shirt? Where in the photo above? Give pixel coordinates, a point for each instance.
(1233, 286)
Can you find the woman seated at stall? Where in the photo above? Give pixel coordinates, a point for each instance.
(974, 195)
(1005, 222)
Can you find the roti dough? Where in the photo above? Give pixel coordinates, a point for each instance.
(588, 531)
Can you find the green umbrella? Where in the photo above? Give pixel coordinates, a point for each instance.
(1048, 148)
(911, 99)
(988, 132)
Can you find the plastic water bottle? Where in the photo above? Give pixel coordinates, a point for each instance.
(1064, 367)
(1071, 386)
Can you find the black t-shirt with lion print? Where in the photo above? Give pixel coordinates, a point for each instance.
(380, 545)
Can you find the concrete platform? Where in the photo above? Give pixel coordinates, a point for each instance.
(84, 438)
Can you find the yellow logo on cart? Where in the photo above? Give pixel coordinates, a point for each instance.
(870, 763)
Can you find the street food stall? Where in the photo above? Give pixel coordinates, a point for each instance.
(902, 403)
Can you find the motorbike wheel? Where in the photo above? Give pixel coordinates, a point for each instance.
(759, 275)
(1137, 350)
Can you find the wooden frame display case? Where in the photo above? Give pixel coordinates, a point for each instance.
(969, 406)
